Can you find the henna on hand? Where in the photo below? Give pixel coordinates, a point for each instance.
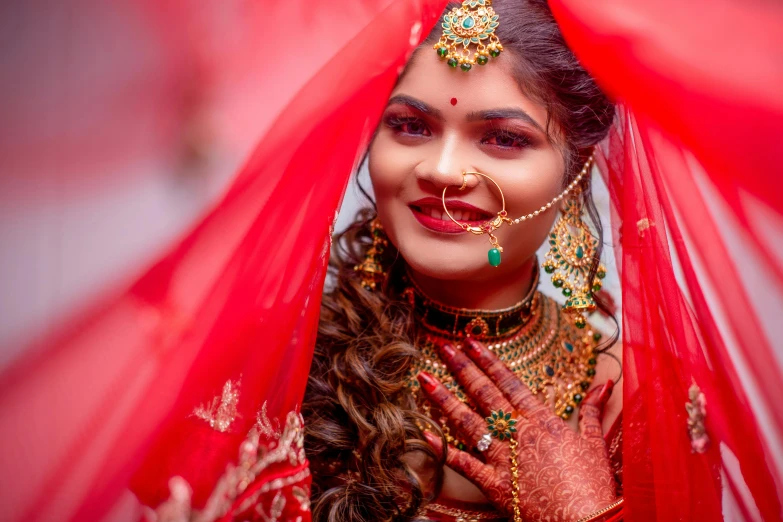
(563, 475)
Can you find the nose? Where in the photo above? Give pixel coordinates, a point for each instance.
(444, 166)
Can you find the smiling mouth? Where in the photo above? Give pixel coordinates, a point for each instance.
(435, 219)
(470, 217)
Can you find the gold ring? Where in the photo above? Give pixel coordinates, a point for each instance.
(486, 228)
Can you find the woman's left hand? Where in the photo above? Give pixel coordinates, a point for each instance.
(561, 474)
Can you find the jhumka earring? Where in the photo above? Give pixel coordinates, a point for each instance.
(486, 228)
(371, 269)
(473, 23)
(572, 249)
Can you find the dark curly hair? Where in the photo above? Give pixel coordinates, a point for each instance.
(360, 421)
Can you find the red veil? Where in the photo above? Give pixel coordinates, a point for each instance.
(229, 314)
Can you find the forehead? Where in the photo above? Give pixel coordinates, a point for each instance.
(490, 86)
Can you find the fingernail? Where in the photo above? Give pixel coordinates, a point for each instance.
(427, 381)
(448, 351)
(473, 347)
(606, 392)
(431, 438)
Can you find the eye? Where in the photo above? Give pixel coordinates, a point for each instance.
(408, 125)
(506, 139)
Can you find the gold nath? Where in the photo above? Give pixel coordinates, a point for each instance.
(473, 23)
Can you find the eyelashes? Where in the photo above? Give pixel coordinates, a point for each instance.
(506, 139)
(498, 138)
(408, 125)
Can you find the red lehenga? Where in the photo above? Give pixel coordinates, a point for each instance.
(198, 369)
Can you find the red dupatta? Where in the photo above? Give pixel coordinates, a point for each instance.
(236, 299)
(691, 168)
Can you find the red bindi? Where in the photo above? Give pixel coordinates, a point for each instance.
(454, 101)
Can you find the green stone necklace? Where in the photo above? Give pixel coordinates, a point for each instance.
(546, 350)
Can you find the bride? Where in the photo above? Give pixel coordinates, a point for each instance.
(444, 384)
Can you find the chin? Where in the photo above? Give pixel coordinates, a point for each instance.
(444, 259)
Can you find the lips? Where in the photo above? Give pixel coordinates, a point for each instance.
(429, 212)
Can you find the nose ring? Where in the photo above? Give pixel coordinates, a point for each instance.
(464, 181)
(486, 228)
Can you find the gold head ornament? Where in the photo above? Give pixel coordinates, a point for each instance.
(472, 24)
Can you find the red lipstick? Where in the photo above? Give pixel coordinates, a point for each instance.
(429, 212)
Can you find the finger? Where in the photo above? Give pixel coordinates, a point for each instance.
(476, 383)
(591, 412)
(470, 425)
(511, 386)
(463, 463)
(466, 420)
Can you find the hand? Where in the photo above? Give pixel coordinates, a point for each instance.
(562, 474)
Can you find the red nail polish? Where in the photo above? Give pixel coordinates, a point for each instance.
(606, 392)
(427, 381)
(448, 351)
(473, 347)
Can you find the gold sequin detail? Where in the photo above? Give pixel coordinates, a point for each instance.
(222, 410)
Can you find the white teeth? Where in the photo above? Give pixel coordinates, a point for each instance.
(457, 215)
(444, 216)
(435, 213)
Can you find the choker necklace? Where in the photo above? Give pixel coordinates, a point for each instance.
(483, 325)
(535, 339)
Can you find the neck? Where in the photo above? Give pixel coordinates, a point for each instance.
(494, 294)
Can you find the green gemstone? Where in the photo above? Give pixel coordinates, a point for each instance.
(591, 372)
(592, 361)
(597, 336)
(601, 274)
(549, 269)
(569, 346)
(468, 22)
(569, 409)
(494, 256)
(578, 397)
(580, 253)
(482, 60)
(494, 53)
(585, 385)
(466, 67)
(442, 52)
(596, 287)
(567, 292)
(453, 62)
(558, 283)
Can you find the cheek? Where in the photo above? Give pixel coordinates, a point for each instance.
(526, 191)
(388, 169)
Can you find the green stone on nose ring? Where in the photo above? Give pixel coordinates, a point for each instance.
(493, 256)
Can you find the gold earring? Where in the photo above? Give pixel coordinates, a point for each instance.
(486, 228)
(572, 249)
(372, 272)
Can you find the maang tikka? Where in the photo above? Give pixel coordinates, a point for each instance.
(472, 24)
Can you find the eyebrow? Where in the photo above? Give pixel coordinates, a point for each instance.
(492, 114)
(504, 114)
(402, 99)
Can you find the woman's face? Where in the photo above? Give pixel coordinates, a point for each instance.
(440, 122)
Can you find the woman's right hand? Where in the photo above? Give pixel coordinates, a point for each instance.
(561, 474)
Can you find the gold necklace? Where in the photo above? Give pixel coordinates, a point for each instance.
(547, 351)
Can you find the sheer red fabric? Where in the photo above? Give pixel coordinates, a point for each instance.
(114, 398)
(693, 155)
